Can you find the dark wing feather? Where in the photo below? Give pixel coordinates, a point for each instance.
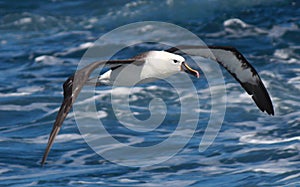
(72, 88)
(237, 65)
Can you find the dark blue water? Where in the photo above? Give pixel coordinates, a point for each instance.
(43, 41)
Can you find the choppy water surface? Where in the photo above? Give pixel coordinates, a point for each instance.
(43, 41)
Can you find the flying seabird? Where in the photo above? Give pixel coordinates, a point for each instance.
(151, 65)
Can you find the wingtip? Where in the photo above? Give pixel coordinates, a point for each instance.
(271, 112)
(264, 104)
(44, 159)
(42, 163)
(52, 136)
(45, 156)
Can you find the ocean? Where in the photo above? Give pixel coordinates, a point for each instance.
(148, 135)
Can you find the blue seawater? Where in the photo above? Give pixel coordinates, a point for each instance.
(43, 41)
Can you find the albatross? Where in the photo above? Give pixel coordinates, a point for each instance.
(149, 66)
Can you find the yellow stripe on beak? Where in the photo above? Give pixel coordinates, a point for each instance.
(184, 67)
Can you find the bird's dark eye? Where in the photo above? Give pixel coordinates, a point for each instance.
(175, 61)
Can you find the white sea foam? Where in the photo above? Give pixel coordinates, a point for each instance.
(279, 30)
(281, 53)
(60, 138)
(126, 180)
(4, 170)
(236, 23)
(71, 50)
(82, 182)
(237, 28)
(295, 81)
(251, 138)
(292, 176)
(28, 90)
(46, 59)
(14, 94)
(23, 21)
(30, 107)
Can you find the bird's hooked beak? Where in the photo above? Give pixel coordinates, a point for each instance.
(184, 67)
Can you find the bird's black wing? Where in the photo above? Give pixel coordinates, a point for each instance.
(72, 88)
(237, 65)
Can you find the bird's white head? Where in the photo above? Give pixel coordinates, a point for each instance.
(162, 64)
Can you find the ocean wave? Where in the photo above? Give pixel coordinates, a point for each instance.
(236, 28)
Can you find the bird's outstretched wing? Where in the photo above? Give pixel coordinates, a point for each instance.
(72, 88)
(237, 65)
